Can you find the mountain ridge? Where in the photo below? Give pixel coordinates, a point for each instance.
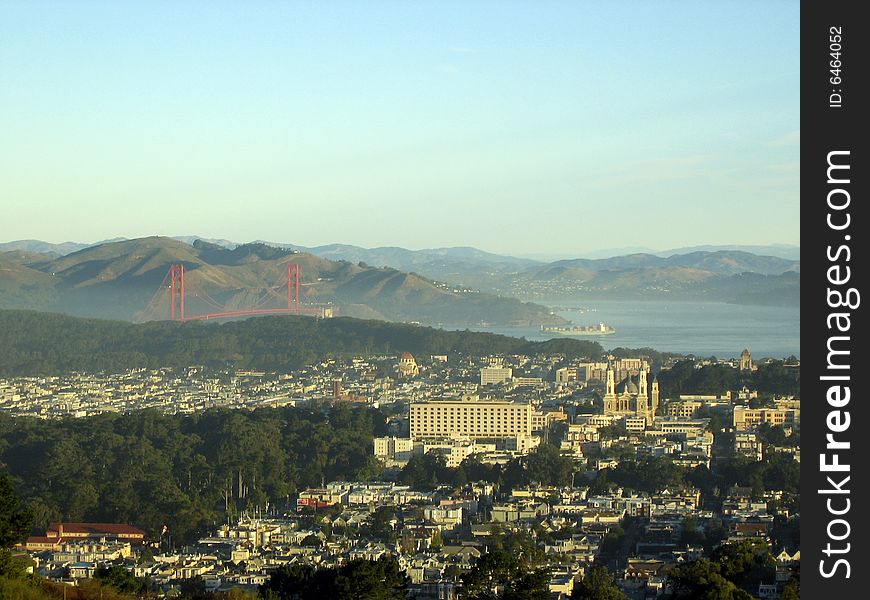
(696, 274)
(116, 280)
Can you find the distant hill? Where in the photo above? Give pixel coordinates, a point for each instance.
(437, 263)
(38, 343)
(49, 248)
(786, 251)
(697, 273)
(42, 247)
(21, 285)
(64, 248)
(722, 276)
(117, 280)
(721, 262)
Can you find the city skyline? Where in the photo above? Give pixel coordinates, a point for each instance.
(547, 129)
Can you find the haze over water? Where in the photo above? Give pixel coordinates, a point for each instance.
(699, 328)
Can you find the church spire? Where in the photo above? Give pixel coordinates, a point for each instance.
(611, 380)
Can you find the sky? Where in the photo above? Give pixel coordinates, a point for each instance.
(515, 127)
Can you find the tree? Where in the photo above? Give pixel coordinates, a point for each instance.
(375, 579)
(371, 579)
(730, 568)
(792, 589)
(194, 589)
(36, 343)
(775, 378)
(380, 523)
(145, 556)
(772, 435)
(437, 542)
(288, 581)
(744, 563)
(613, 431)
(14, 525)
(425, 469)
(651, 474)
(122, 579)
(612, 542)
(702, 579)
(501, 575)
(530, 585)
(150, 469)
(597, 585)
(691, 533)
(546, 465)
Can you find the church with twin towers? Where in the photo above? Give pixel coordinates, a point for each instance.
(630, 398)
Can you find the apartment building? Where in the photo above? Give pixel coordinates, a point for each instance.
(470, 417)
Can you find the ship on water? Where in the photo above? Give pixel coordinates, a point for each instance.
(599, 329)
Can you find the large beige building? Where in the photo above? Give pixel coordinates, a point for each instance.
(566, 374)
(470, 417)
(490, 375)
(579, 434)
(748, 444)
(750, 418)
(393, 449)
(685, 409)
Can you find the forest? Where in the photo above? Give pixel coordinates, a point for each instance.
(36, 343)
(187, 472)
(190, 472)
(686, 377)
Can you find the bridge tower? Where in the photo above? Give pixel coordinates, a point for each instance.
(176, 292)
(294, 275)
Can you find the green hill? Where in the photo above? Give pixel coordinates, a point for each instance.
(118, 279)
(36, 343)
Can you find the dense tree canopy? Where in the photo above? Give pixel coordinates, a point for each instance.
(150, 469)
(597, 585)
(703, 579)
(726, 575)
(41, 343)
(122, 579)
(775, 472)
(651, 474)
(504, 575)
(371, 579)
(684, 378)
(544, 465)
(14, 524)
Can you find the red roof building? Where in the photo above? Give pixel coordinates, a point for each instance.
(95, 530)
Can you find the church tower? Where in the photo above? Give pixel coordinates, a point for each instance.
(746, 360)
(654, 399)
(610, 393)
(642, 408)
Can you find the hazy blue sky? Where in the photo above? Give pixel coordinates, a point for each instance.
(521, 127)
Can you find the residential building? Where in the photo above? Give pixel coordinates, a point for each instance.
(750, 418)
(470, 417)
(494, 375)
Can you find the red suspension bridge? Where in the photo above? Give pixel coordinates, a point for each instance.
(172, 300)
